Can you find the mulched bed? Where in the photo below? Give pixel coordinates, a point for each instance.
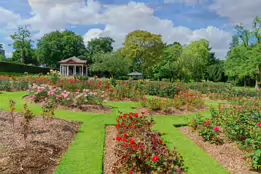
(109, 157)
(84, 108)
(173, 112)
(227, 154)
(47, 141)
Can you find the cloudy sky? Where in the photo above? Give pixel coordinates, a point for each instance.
(176, 20)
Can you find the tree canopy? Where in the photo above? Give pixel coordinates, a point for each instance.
(144, 48)
(57, 46)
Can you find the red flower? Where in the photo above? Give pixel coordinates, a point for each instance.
(231, 113)
(131, 172)
(125, 140)
(120, 117)
(216, 129)
(134, 147)
(140, 116)
(122, 123)
(155, 159)
(130, 117)
(125, 115)
(132, 142)
(125, 135)
(136, 115)
(126, 145)
(106, 88)
(161, 142)
(185, 101)
(135, 127)
(143, 112)
(118, 125)
(118, 138)
(207, 124)
(259, 124)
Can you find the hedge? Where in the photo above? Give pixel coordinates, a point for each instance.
(21, 68)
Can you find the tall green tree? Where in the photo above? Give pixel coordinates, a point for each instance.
(244, 59)
(22, 45)
(111, 62)
(100, 45)
(144, 48)
(56, 46)
(194, 59)
(168, 67)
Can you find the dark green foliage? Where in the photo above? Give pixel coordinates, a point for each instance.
(56, 46)
(216, 73)
(21, 68)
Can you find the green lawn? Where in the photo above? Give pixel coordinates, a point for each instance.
(85, 156)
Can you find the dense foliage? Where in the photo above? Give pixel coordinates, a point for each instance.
(141, 150)
(239, 122)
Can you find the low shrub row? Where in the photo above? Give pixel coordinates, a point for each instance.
(141, 150)
(21, 68)
(187, 100)
(239, 122)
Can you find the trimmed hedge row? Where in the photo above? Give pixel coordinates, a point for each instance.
(21, 68)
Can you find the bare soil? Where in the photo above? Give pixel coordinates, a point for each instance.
(227, 154)
(172, 111)
(109, 156)
(46, 143)
(100, 109)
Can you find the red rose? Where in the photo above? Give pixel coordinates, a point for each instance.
(120, 117)
(130, 117)
(143, 112)
(132, 142)
(118, 138)
(155, 159)
(125, 140)
(161, 142)
(135, 127)
(207, 124)
(259, 124)
(216, 129)
(125, 115)
(131, 172)
(140, 116)
(125, 135)
(126, 145)
(231, 113)
(118, 125)
(136, 115)
(122, 123)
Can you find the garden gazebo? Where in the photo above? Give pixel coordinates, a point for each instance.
(135, 75)
(73, 67)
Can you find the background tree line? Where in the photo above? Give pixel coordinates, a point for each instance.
(145, 52)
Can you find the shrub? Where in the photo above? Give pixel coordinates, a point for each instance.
(141, 150)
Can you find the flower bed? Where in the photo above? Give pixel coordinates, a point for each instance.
(183, 103)
(84, 100)
(47, 141)
(138, 149)
(240, 122)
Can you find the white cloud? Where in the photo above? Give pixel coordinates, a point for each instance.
(54, 15)
(139, 16)
(189, 2)
(237, 11)
(8, 17)
(118, 21)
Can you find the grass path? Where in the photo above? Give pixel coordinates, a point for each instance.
(85, 156)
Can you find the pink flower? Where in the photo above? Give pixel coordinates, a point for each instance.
(259, 124)
(216, 129)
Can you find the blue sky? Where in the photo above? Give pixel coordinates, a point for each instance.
(176, 20)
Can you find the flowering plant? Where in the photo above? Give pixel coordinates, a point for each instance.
(142, 150)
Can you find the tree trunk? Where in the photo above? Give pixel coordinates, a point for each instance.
(258, 74)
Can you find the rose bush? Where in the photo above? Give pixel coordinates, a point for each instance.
(141, 150)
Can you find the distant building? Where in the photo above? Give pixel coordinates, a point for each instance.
(135, 75)
(73, 66)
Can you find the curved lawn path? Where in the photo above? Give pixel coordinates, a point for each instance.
(85, 156)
